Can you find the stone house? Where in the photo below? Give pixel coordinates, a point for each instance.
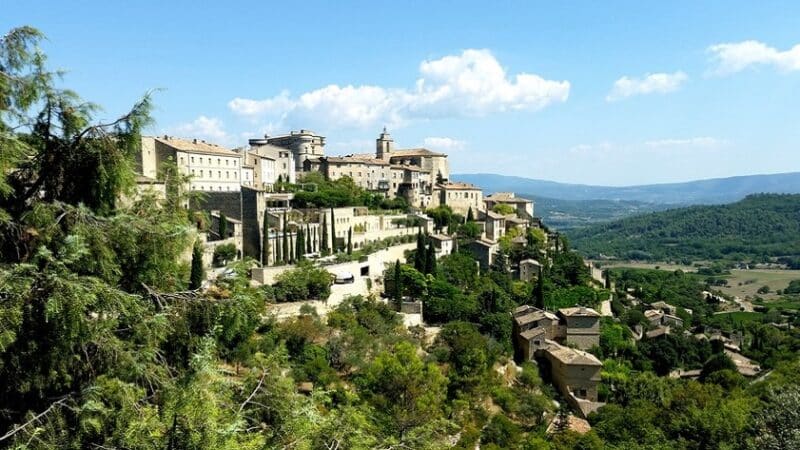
(442, 244)
(582, 326)
(529, 269)
(523, 207)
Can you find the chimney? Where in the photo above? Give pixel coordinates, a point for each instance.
(194, 141)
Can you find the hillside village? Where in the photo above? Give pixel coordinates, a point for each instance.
(168, 292)
(254, 190)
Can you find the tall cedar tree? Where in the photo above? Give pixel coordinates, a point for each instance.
(350, 241)
(223, 226)
(196, 277)
(324, 240)
(397, 291)
(286, 255)
(430, 259)
(265, 241)
(333, 232)
(419, 256)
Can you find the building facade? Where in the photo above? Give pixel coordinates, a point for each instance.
(212, 168)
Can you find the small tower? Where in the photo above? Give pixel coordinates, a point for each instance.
(384, 146)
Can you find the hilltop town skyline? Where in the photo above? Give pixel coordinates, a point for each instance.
(645, 96)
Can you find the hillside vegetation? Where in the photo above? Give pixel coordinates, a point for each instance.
(759, 228)
(567, 214)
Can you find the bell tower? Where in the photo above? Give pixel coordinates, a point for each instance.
(384, 146)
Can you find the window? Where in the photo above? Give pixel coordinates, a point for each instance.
(219, 174)
(219, 163)
(201, 160)
(201, 173)
(192, 159)
(227, 174)
(181, 157)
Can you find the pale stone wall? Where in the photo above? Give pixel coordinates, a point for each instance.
(579, 379)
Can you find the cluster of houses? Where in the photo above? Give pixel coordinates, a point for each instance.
(560, 340)
(245, 186)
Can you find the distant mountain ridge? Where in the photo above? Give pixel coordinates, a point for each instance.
(710, 191)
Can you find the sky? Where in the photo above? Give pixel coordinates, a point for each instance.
(607, 93)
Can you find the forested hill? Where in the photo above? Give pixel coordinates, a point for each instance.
(759, 226)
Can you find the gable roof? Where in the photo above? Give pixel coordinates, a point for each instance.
(578, 311)
(569, 355)
(196, 146)
(414, 152)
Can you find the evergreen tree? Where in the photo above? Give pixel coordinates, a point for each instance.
(397, 291)
(286, 255)
(293, 248)
(300, 243)
(324, 241)
(419, 256)
(307, 236)
(430, 259)
(265, 245)
(350, 241)
(197, 275)
(223, 226)
(333, 232)
(538, 292)
(500, 263)
(470, 215)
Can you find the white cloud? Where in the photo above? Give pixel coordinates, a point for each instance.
(653, 83)
(736, 56)
(466, 85)
(208, 128)
(443, 144)
(701, 141)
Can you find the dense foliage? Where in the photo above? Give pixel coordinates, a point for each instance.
(757, 228)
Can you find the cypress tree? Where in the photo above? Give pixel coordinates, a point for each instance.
(286, 254)
(419, 256)
(333, 232)
(430, 259)
(307, 237)
(265, 245)
(292, 249)
(470, 215)
(223, 226)
(300, 243)
(324, 241)
(538, 292)
(350, 241)
(397, 292)
(196, 277)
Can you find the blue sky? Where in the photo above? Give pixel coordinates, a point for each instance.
(620, 93)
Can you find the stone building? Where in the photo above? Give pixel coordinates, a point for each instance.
(442, 244)
(368, 172)
(529, 269)
(582, 326)
(460, 197)
(419, 175)
(212, 168)
(539, 336)
(522, 206)
(303, 144)
(270, 164)
(576, 373)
